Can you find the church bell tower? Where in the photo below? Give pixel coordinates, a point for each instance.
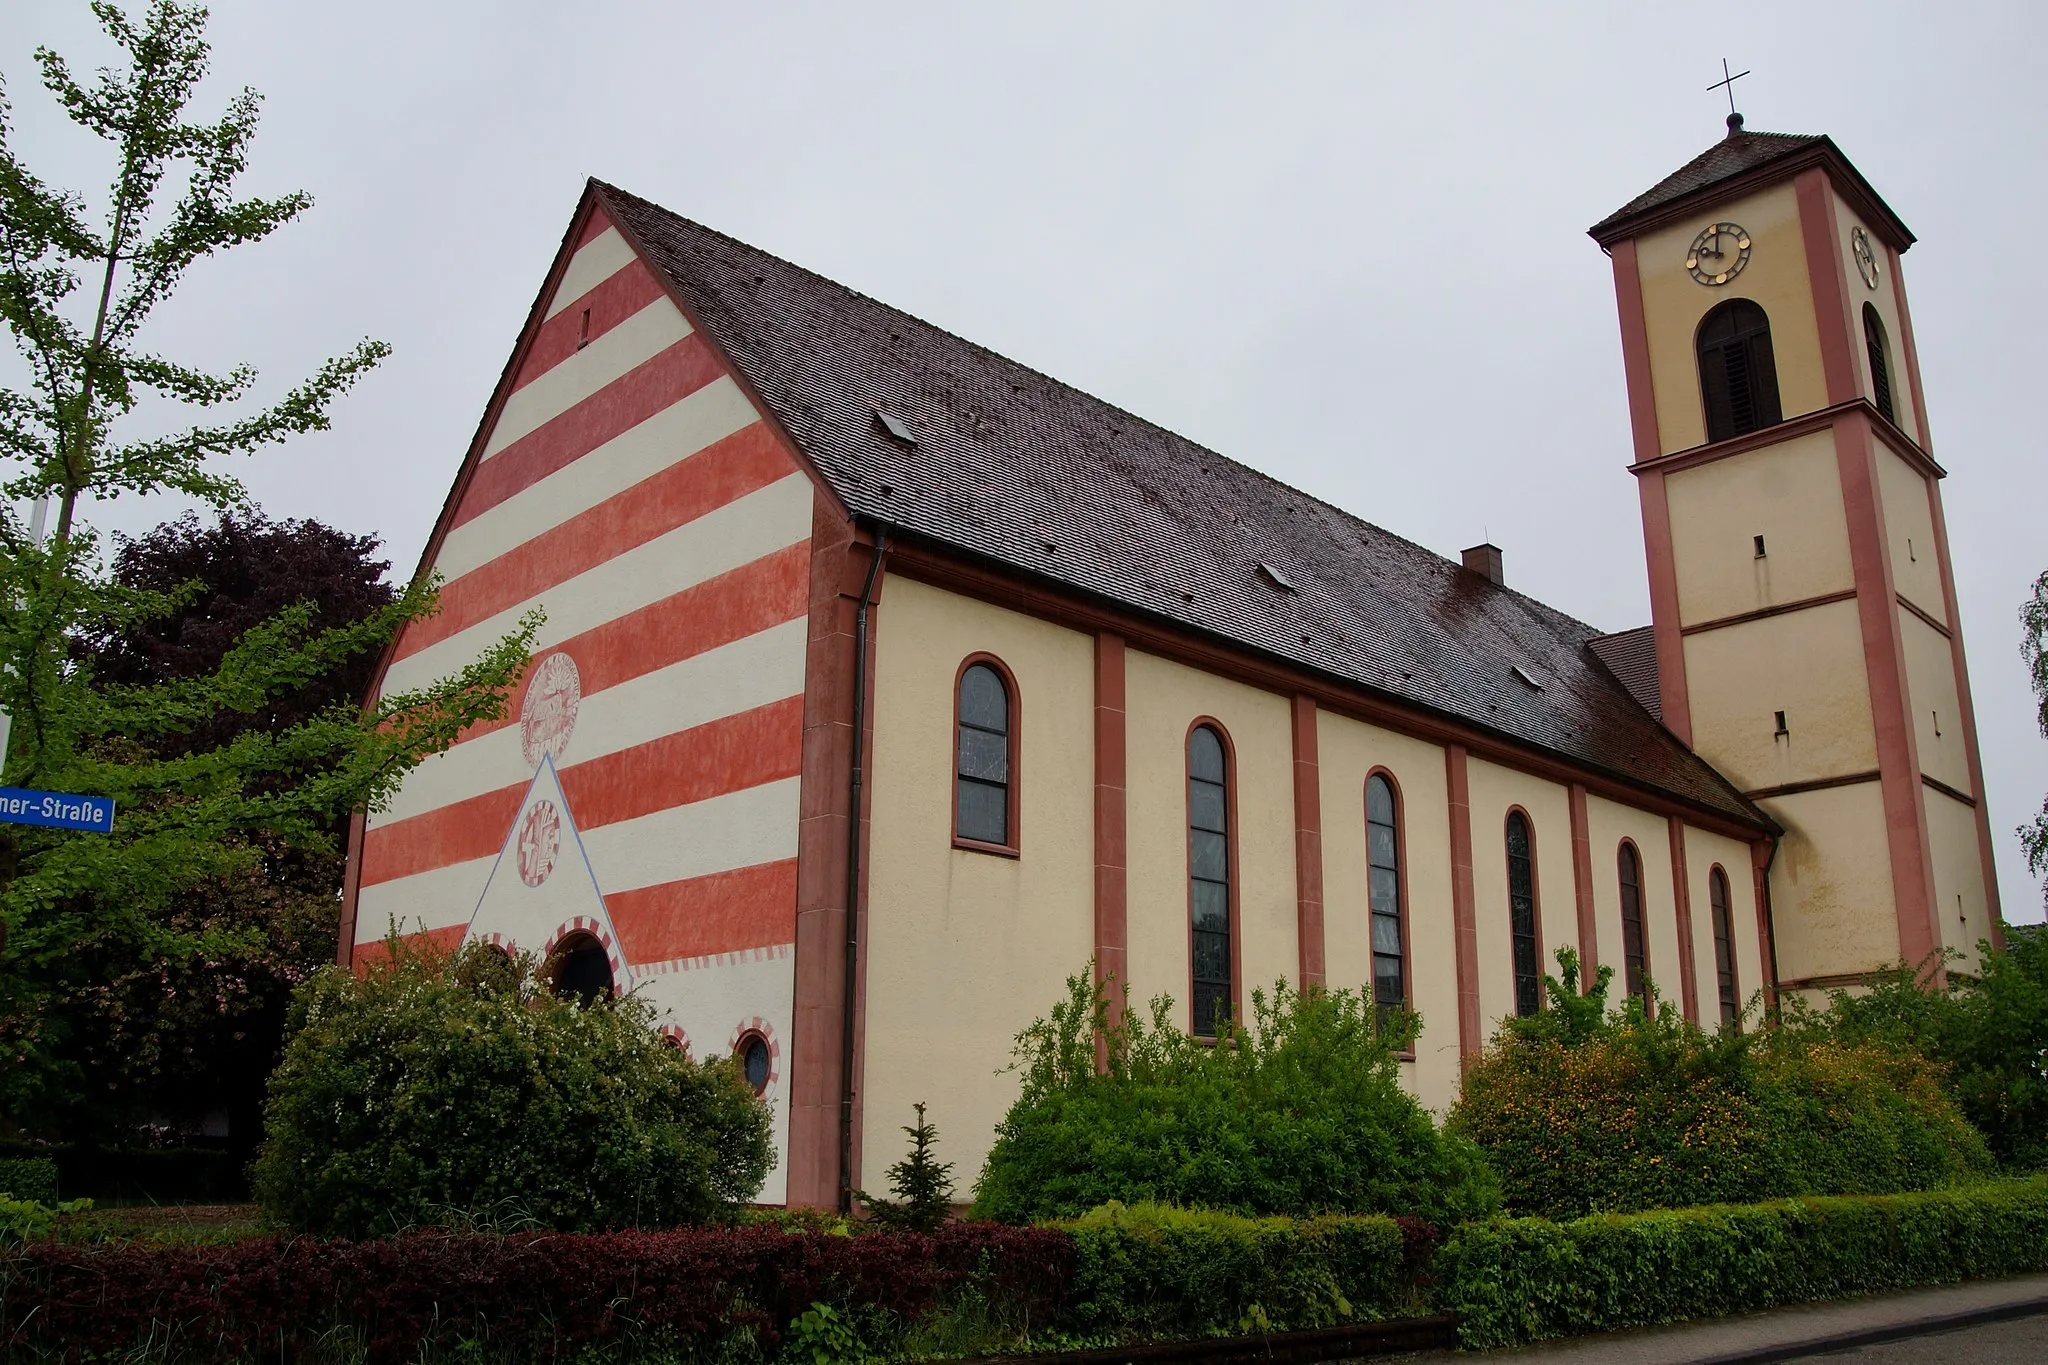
(1802, 600)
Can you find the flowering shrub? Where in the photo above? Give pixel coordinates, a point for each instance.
(1580, 1110)
(1301, 1114)
(438, 1090)
(1525, 1279)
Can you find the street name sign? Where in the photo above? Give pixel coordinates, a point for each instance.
(20, 806)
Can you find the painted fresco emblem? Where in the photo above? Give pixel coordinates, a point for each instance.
(540, 839)
(548, 715)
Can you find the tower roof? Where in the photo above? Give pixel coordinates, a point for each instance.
(942, 440)
(1742, 161)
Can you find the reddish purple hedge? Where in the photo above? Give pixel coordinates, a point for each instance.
(543, 1293)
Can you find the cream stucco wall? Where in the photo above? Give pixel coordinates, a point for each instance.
(1348, 751)
(965, 948)
(1885, 299)
(1791, 495)
(1703, 852)
(1674, 303)
(1959, 899)
(1931, 692)
(1163, 699)
(1607, 824)
(1808, 664)
(1831, 886)
(1909, 533)
(1494, 791)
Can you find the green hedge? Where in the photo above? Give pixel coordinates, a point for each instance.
(1160, 1272)
(29, 1177)
(1526, 1279)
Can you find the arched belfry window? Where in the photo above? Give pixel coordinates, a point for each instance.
(1724, 945)
(1522, 915)
(1880, 363)
(1383, 892)
(1209, 878)
(1633, 960)
(1738, 377)
(985, 753)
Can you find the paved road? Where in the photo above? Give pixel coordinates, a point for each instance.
(2022, 1341)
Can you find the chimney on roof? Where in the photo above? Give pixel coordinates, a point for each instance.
(1484, 560)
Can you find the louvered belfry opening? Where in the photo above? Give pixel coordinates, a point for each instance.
(1738, 375)
(1880, 365)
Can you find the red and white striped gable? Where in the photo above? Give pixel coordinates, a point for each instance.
(625, 485)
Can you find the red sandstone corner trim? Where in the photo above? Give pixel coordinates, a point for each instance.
(1635, 351)
(1884, 662)
(1760, 855)
(1013, 795)
(1582, 885)
(1912, 352)
(1993, 905)
(1681, 906)
(1673, 697)
(824, 825)
(1821, 233)
(1464, 916)
(1308, 842)
(1112, 877)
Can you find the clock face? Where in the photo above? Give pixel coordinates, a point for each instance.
(1718, 254)
(1866, 259)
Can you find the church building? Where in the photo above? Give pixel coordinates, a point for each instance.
(886, 682)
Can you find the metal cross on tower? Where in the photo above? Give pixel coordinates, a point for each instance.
(1728, 81)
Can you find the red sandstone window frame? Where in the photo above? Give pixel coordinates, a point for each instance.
(1535, 897)
(1400, 890)
(1642, 991)
(1230, 847)
(1014, 821)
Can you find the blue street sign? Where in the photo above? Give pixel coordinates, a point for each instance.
(20, 806)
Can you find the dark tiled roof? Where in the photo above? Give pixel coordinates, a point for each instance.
(1736, 154)
(1631, 656)
(1025, 471)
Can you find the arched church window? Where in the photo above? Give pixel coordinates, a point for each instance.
(1522, 915)
(1738, 376)
(1383, 892)
(985, 758)
(1724, 944)
(1880, 363)
(1209, 878)
(582, 969)
(1633, 955)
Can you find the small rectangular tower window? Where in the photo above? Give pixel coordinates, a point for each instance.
(583, 331)
(1759, 547)
(1782, 729)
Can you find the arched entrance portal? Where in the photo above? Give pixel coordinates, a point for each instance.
(582, 969)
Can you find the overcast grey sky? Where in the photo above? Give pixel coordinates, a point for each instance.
(1344, 243)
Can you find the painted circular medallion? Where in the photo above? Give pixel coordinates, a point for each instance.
(548, 715)
(540, 839)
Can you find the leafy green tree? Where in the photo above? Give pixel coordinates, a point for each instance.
(2034, 649)
(461, 1090)
(1301, 1113)
(104, 416)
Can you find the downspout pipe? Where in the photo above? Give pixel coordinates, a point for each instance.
(855, 787)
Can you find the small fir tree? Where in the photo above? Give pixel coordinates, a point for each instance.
(923, 1185)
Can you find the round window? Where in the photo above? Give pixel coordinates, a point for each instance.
(754, 1061)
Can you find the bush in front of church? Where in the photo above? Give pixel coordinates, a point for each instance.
(1302, 1113)
(1582, 1109)
(460, 1091)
